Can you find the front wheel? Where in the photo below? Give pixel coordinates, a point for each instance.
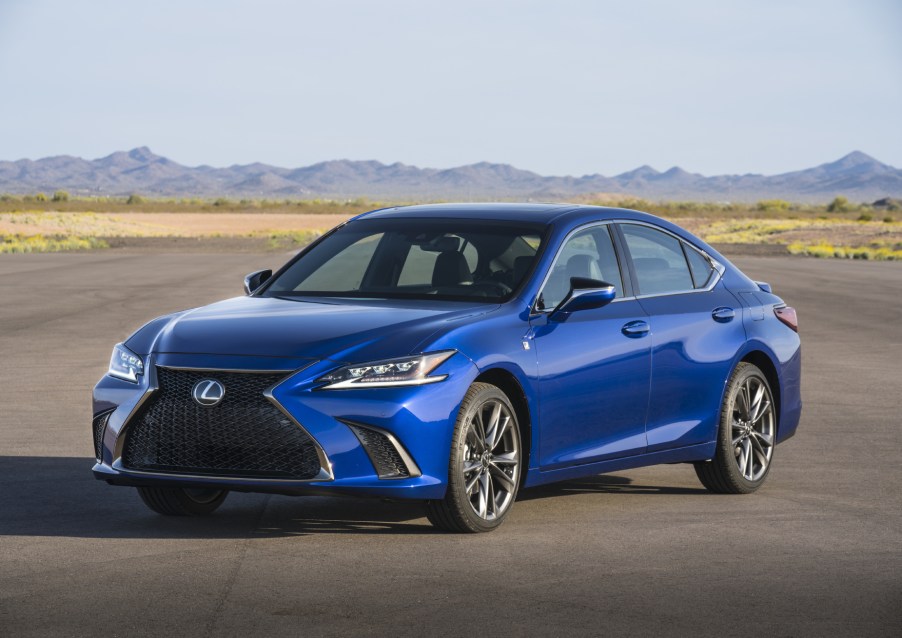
(484, 468)
(746, 436)
(179, 501)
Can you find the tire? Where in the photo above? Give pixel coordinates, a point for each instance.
(483, 459)
(178, 501)
(746, 435)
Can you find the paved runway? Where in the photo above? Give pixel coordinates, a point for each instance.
(818, 551)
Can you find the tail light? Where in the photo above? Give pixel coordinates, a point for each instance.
(787, 315)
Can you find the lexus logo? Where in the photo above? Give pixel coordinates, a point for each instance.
(208, 392)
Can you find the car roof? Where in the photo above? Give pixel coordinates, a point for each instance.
(566, 216)
(542, 213)
(532, 212)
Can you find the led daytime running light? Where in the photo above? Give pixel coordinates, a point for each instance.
(125, 364)
(393, 372)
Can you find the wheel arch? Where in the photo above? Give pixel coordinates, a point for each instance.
(508, 383)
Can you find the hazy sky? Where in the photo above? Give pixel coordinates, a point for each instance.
(559, 87)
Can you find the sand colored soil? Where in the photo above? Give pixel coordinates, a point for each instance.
(162, 224)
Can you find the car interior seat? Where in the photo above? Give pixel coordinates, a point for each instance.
(451, 269)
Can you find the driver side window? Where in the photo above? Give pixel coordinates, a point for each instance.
(588, 253)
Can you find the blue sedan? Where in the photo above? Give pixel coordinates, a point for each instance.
(455, 354)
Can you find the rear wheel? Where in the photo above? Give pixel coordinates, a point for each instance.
(746, 436)
(179, 501)
(484, 468)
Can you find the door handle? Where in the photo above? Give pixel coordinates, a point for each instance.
(723, 314)
(635, 329)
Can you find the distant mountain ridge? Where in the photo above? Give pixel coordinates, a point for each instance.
(858, 176)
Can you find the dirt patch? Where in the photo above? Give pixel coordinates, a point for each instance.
(196, 245)
(162, 224)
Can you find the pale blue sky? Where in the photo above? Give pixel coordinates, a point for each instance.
(562, 87)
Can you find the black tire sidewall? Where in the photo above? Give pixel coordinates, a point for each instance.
(725, 456)
(456, 486)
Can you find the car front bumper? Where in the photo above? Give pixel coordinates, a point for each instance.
(417, 421)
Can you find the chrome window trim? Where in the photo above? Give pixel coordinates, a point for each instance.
(325, 465)
(719, 268)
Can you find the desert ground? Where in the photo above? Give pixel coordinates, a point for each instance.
(769, 227)
(817, 551)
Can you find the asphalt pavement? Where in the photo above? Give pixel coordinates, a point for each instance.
(817, 551)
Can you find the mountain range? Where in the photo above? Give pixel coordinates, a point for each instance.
(856, 176)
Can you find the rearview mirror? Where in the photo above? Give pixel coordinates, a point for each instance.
(255, 280)
(585, 294)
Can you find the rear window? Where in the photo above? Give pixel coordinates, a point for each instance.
(699, 266)
(658, 260)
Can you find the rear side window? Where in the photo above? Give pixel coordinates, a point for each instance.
(699, 265)
(658, 260)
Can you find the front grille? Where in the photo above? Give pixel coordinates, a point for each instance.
(382, 453)
(244, 435)
(98, 425)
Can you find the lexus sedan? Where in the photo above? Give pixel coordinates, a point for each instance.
(454, 354)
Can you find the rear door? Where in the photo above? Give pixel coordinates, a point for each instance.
(696, 331)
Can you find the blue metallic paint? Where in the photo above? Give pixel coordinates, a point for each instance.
(598, 399)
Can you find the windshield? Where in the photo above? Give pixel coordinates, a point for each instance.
(453, 259)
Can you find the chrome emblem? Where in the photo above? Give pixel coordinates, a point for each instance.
(208, 392)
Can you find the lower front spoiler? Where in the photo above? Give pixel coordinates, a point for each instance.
(418, 488)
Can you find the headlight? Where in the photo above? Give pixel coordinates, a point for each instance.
(384, 374)
(125, 364)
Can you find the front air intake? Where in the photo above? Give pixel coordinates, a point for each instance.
(98, 425)
(390, 460)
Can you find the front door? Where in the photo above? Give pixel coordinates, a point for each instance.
(594, 365)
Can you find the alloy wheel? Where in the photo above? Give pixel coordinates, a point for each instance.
(491, 464)
(753, 428)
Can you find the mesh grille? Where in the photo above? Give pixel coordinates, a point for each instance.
(245, 435)
(382, 453)
(99, 427)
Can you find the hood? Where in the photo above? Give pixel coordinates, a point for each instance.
(337, 329)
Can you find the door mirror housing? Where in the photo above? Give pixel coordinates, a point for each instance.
(585, 294)
(255, 280)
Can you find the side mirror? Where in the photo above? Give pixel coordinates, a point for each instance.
(255, 280)
(585, 294)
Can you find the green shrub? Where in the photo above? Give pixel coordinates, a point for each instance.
(865, 217)
(773, 204)
(222, 201)
(135, 200)
(40, 197)
(887, 220)
(61, 196)
(839, 204)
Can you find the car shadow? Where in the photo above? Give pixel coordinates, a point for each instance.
(59, 497)
(601, 484)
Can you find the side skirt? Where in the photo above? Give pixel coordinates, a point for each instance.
(701, 452)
